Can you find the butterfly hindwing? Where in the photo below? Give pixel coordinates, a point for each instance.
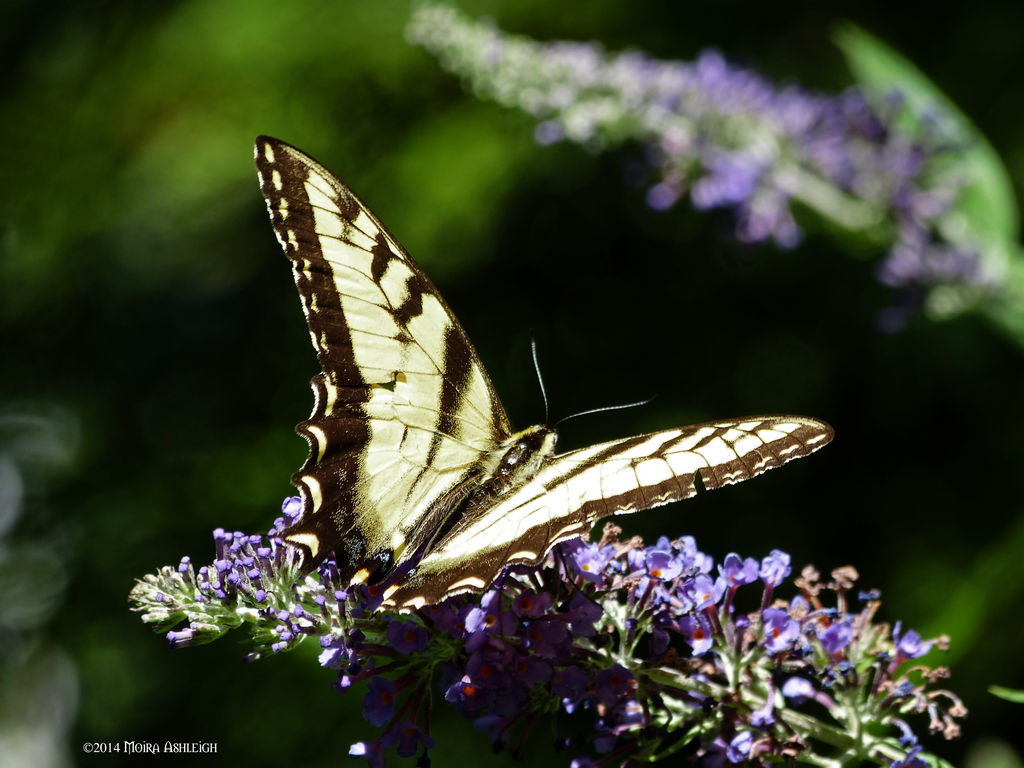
(572, 490)
(403, 410)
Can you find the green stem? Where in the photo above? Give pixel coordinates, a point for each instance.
(817, 194)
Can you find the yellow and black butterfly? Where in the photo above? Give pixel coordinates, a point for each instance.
(411, 454)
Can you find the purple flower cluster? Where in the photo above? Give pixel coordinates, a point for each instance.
(731, 139)
(647, 644)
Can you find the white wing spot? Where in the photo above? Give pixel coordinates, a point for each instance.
(268, 153)
(523, 554)
(317, 198)
(685, 463)
(308, 540)
(745, 444)
(321, 441)
(415, 603)
(652, 444)
(332, 398)
(688, 443)
(717, 451)
(617, 478)
(470, 581)
(275, 177)
(327, 223)
(652, 472)
(572, 529)
(395, 282)
(770, 435)
(312, 487)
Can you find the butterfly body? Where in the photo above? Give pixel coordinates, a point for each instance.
(412, 458)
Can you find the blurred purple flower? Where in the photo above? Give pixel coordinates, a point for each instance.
(732, 178)
(734, 140)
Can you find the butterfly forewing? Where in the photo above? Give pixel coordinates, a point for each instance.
(403, 410)
(574, 489)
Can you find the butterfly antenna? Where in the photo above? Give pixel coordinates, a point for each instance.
(604, 408)
(540, 379)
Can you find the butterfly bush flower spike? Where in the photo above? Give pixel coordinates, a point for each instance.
(658, 650)
(726, 138)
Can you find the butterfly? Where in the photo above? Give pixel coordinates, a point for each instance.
(414, 471)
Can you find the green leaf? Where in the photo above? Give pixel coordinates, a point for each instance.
(987, 201)
(1009, 694)
(985, 215)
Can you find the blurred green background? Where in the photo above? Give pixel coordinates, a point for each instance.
(155, 359)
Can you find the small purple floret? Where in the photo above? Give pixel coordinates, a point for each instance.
(738, 571)
(780, 631)
(909, 645)
(406, 637)
(590, 560)
(739, 747)
(836, 637)
(379, 701)
(775, 568)
(798, 689)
